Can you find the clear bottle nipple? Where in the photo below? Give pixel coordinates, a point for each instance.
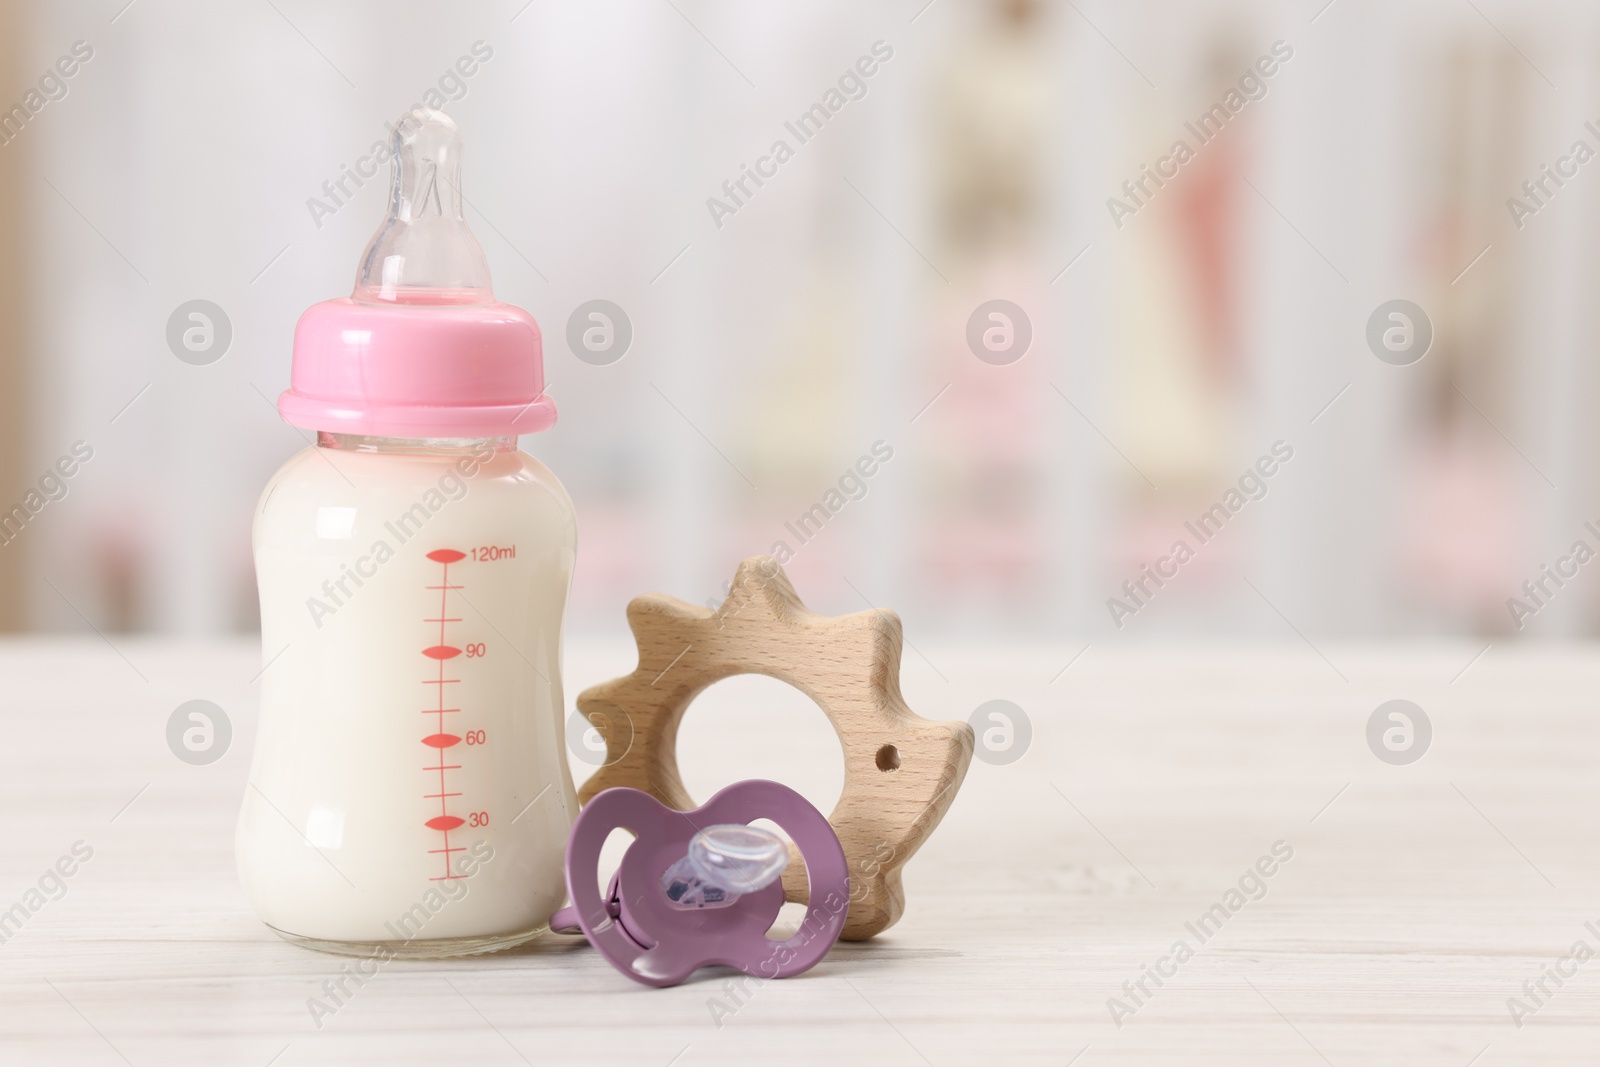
(723, 863)
(424, 252)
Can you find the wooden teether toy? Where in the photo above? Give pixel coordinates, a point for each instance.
(901, 771)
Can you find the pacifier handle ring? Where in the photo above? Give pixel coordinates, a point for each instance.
(631, 810)
(565, 920)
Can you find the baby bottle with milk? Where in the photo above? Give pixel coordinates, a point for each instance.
(409, 792)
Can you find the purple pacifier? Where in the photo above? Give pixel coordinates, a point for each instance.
(702, 887)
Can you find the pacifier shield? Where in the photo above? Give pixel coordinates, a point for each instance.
(638, 930)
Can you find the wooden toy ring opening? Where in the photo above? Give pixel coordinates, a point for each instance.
(901, 771)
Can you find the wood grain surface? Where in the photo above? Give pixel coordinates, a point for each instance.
(1417, 901)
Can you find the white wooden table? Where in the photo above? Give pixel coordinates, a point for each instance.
(1418, 900)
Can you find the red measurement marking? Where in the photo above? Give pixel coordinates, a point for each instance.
(444, 822)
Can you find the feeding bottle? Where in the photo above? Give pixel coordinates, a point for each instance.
(409, 786)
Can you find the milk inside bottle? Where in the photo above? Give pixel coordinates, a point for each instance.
(409, 787)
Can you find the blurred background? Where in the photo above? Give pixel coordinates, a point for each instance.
(205, 151)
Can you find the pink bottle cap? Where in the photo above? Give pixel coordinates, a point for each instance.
(420, 348)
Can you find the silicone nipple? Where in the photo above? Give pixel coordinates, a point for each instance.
(723, 863)
(424, 252)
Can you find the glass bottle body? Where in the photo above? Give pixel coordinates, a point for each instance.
(410, 787)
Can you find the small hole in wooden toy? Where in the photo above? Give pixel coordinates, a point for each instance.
(888, 758)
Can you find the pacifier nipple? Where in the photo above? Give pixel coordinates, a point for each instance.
(424, 252)
(723, 863)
